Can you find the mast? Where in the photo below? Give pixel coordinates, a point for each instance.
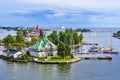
(111, 38)
(94, 37)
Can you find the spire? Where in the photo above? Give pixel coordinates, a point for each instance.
(36, 30)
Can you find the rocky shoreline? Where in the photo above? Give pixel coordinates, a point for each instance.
(41, 62)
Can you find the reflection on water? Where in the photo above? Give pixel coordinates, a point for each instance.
(54, 72)
(34, 71)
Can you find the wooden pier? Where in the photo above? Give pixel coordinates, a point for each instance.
(88, 43)
(106, 57)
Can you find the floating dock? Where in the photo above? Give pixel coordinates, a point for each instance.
(88, 43)
(95, 57)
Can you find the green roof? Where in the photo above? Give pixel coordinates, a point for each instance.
(41, 44)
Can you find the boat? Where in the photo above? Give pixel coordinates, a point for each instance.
(109, 49)
(94, 49)
(105, 57)
(87, 57)
(78, 51)
(81, 51)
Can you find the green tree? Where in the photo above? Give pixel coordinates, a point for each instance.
(26, 57)
(18, 46)
(67, 30)
(76, 38)
(63, 50)
(63, 36)
(20, 38)
(9, 41)
(33, 40)
(24, 32)
(9, 46)
(69, 39)
(19, 32)
(118, 33)
(1, 40)
(68, 50)
(81, 37)
(53, 37)
(41, 33)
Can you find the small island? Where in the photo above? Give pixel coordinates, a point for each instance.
(83, 30)
(34, 46)
(117, 34)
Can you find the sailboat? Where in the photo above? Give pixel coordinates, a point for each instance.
(94, 48)
(109, 49)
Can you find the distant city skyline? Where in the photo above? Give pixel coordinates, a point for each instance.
(55, 13)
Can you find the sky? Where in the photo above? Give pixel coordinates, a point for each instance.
(55, 13)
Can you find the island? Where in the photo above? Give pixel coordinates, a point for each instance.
(35, 46)
(116, 35)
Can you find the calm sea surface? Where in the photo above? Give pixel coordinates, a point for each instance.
(83, 70)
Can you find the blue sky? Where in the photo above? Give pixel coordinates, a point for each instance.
(55, 13)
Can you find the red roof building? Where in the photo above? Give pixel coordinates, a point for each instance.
(36, 30)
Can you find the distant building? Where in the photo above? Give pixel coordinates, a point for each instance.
(12, 53)
(35, 32)
(27, 39)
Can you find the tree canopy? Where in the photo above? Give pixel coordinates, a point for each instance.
(65, 39)
(69, 36)
(63, 49)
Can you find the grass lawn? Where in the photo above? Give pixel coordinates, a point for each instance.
(55, 59)
(58, 60)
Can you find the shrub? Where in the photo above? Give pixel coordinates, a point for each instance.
(24, 58)
(20, 58)
(41, 58)
(68, 57)
(55, 57)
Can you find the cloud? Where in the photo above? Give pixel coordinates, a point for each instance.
(26, 5)
(73, 4)
(72, 12)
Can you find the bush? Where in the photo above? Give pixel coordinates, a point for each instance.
(67, 57)
(56, 57)
(24, 58)
(30, 58)
(20, 58)
(41, 58)
(72, 56)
